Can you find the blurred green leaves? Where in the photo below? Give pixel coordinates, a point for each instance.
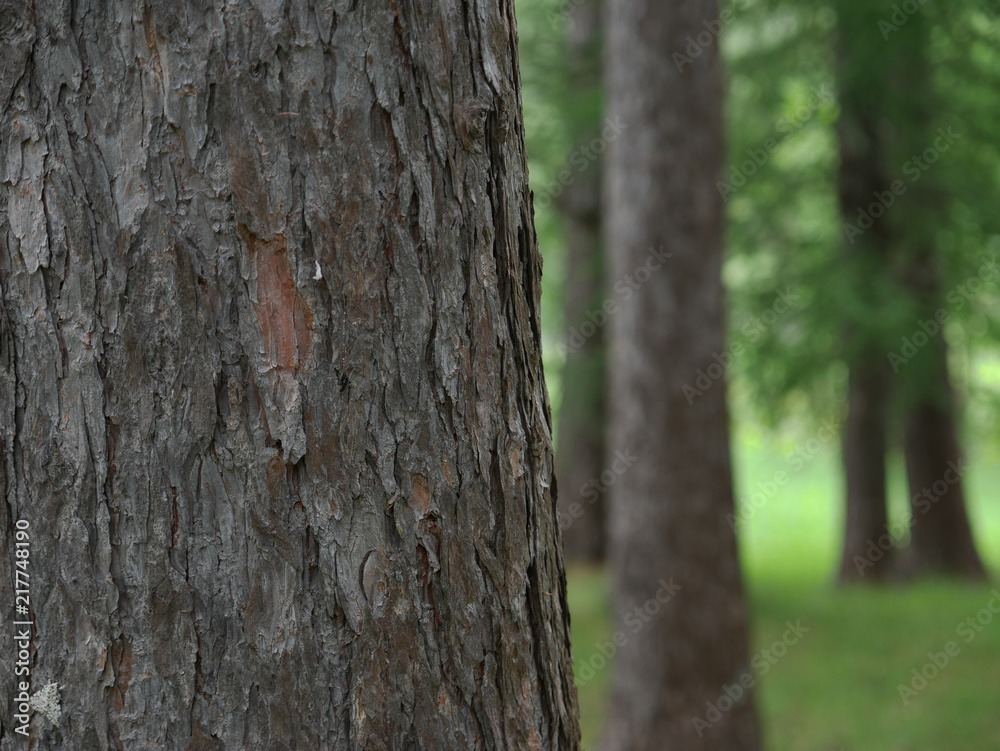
(784, 223)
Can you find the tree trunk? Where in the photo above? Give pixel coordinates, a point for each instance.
(272, 400)
(866, 519)
(682, 649)
(863, 173)
(580, 453)
(887, 108)
(941, 541)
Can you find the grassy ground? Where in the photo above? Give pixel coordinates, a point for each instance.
(838, 688)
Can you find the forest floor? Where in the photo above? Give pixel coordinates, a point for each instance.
(839, 687)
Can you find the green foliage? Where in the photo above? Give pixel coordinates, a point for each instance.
(785, 230)
(541, 30)
(562, 107)
(783, 220)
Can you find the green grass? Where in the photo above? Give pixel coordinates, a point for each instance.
(838, 688)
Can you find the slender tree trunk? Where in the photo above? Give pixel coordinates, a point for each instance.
(271, 397)
(667, 514)
(863, 174)
(866, 520)
(941, 538)
(941, 542)
(580, 454)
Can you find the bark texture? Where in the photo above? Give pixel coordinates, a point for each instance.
(580, 453)
(667, 513)
(271, 395)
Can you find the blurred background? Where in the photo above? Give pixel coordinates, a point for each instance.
(803, 318)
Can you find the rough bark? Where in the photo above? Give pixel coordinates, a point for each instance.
(667, 513)
(863, 173)
(271, 396)
(580, 452)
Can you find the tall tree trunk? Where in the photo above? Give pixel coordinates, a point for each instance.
(866, 518)
(667, 513)
(941, 541)
(580, 452)
(863, 173)
(272, 401)
(887, 110)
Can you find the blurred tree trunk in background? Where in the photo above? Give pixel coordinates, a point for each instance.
(580, 436)
(864, 456)
(941, 541)
(887, 110)
(271, 393)
(863, 173)
(667, 512)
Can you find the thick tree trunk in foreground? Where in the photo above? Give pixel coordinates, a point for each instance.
(668, 512)
(580, 453)
(271, 396)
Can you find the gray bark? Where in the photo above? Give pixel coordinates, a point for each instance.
(271, 395)
(667, 513)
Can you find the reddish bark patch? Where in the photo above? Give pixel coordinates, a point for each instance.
(285, 318)
(421, 494)
(121, 663)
